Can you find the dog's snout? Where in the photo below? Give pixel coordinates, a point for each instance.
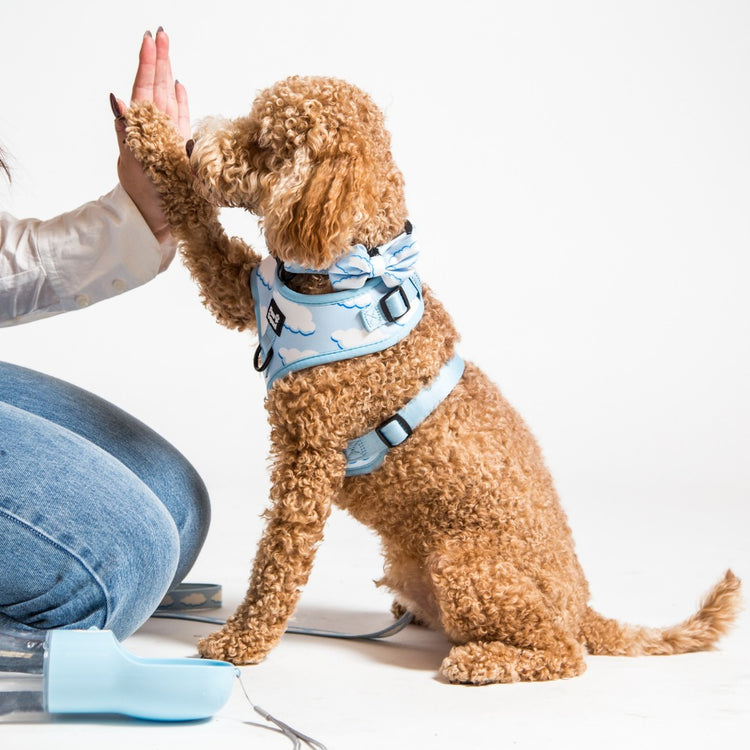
(189, 146)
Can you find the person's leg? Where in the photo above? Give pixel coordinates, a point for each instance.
(151, 458)
(84, 541)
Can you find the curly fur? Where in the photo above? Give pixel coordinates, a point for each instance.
(476, 543)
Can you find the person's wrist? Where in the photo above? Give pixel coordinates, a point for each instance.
(162, 233)
(168, 248)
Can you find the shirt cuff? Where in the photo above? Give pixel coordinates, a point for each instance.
(99, 250)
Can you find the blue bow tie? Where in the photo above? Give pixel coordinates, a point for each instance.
(393, 263)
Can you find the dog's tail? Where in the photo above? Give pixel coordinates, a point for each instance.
(698, 633)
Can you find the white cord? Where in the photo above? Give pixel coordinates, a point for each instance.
(294, 735)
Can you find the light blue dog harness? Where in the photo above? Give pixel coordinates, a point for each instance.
(379, 303)
(302, 330)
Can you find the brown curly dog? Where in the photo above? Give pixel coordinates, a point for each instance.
(476, 544)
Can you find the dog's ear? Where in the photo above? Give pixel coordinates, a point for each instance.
(316, 206)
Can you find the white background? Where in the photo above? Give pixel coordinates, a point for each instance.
(578, 173)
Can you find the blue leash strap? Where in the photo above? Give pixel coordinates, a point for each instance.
(190, 596)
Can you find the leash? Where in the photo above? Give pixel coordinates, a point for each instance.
(376, 635)
(195, 596)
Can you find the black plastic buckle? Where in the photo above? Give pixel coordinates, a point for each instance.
(284, 275)
(401, 421)
(259, 367)
(384, 307)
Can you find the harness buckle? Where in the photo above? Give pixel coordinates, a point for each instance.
(393, 316)
(394, 431)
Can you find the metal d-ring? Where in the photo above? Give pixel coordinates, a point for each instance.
(256, 359)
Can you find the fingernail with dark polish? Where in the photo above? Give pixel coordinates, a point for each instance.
(115, 105)
(147, 33)
(189, 145)
(161, 28)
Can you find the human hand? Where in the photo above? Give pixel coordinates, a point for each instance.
(153, 83)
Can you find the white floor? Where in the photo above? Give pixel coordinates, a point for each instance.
(388, 694)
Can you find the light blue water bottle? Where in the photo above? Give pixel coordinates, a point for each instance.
(88, 671)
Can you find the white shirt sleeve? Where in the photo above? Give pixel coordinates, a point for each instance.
(76, 259)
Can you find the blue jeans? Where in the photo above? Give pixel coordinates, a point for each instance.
(99, 515)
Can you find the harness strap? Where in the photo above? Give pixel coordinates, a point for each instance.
(367, 453)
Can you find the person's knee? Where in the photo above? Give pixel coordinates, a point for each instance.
(45, 585)
(198, 516)
(138, 581)
(186, 498)
(85, 542)
(117, 587)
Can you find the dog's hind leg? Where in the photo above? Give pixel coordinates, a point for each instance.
(482, 663)
(504, 629)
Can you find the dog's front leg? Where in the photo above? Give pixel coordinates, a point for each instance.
(304, 485)
(220, 265)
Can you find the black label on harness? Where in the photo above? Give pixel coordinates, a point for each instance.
(275, 318)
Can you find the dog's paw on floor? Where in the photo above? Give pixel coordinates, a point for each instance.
(483, 663)
(234, 647)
